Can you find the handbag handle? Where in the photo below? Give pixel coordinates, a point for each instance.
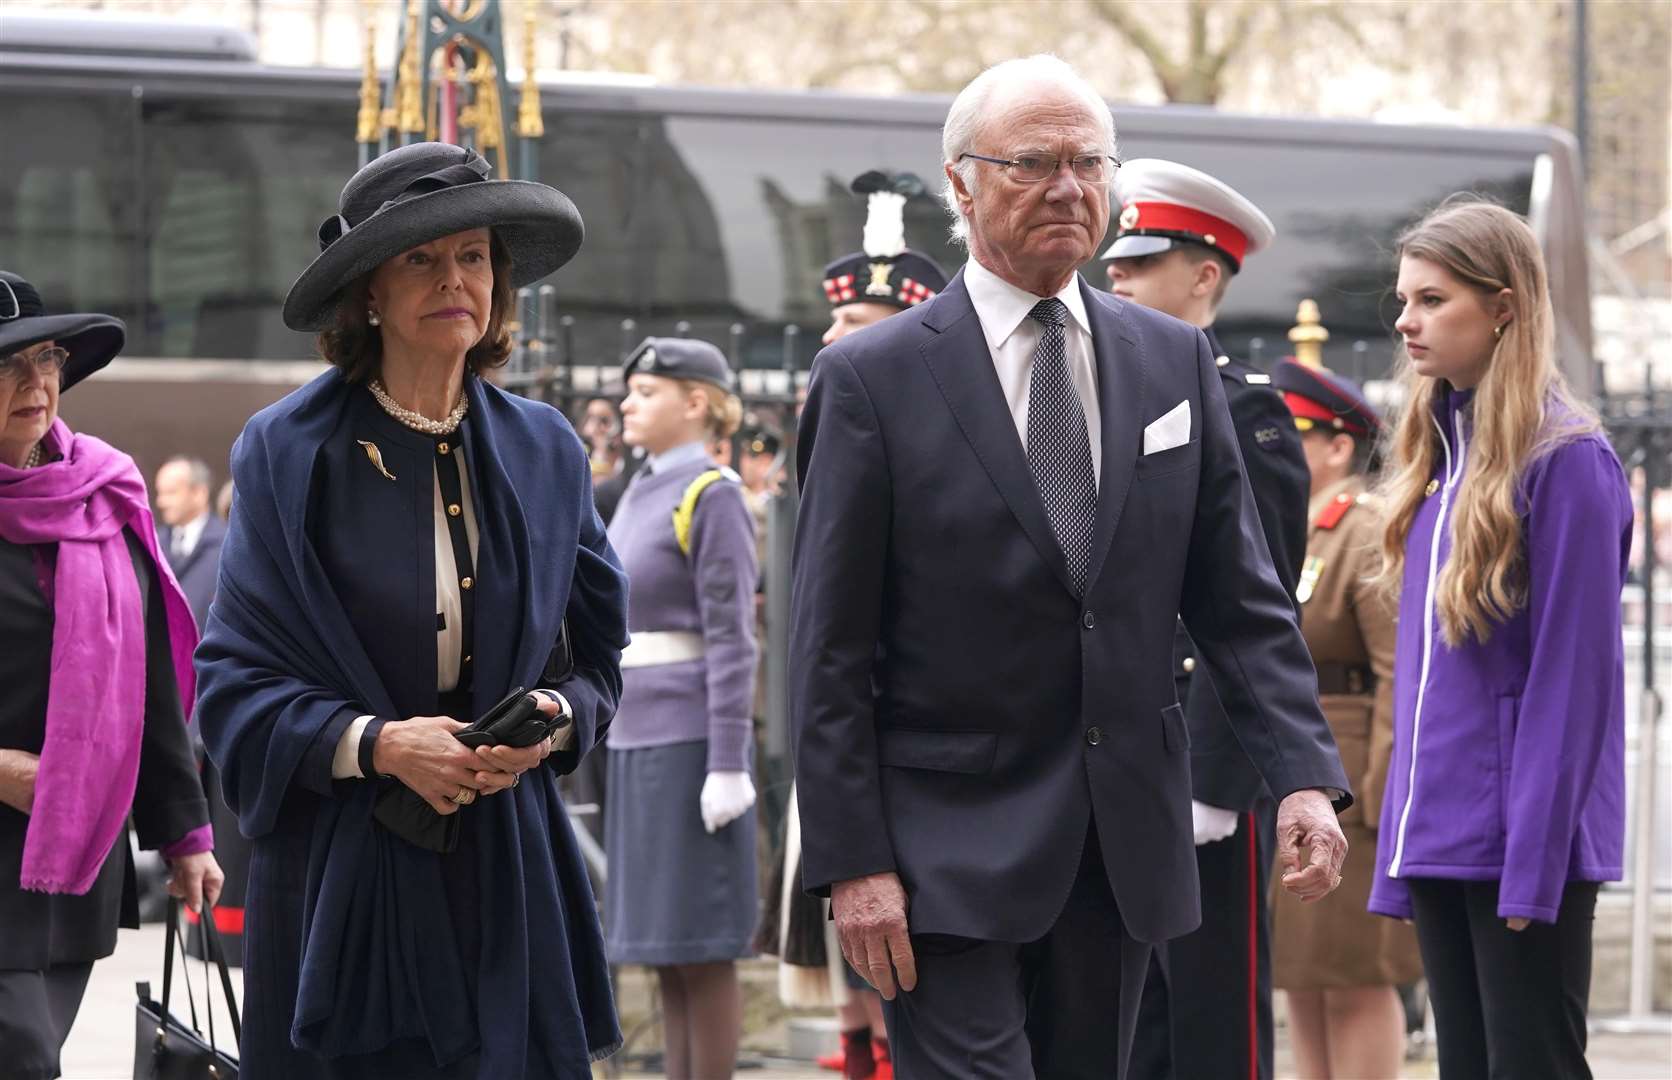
(176, 940)
(212, 945)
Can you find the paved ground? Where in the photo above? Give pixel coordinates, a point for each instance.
(101, 1046)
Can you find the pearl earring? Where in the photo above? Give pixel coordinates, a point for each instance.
(373, 318)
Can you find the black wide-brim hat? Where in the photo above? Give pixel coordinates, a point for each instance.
(92, 340)
(423, 192)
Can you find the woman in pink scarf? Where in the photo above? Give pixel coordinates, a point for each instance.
(95, 661)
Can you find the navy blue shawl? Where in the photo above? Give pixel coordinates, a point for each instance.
(281, 666)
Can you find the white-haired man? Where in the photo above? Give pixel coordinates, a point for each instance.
(1008, 494)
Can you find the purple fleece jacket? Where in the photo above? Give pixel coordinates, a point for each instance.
(1509, 756)
(711, 593)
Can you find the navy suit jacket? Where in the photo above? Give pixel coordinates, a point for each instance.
(1220, 773)
(960, 713)
(197, 572)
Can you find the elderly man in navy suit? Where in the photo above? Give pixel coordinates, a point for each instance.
(189, 532)
(1009, 493)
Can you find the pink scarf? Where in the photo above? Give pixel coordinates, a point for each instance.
(96, 703)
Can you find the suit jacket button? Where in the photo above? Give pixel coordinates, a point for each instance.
(1189, 664)
(1088, 620)
(1094, 735)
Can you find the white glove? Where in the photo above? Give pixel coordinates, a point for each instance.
(725, 796)
(1211, 822)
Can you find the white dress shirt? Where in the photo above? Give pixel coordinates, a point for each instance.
(183, 539)
(1012, 337)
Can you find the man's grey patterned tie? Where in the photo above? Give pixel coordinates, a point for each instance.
(1059, 450)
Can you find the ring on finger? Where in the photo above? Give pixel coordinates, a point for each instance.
(464, 797)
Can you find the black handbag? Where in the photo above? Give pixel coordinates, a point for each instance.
(165, 1048)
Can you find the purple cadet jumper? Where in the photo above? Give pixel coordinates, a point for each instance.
(674, 893)
(1509, 756)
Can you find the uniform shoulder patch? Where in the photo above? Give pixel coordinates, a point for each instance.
(1268, 437)
(1330, 516)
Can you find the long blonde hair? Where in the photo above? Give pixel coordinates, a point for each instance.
(1522, 409)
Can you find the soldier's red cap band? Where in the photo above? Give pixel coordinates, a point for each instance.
(1170, 217)
(1305, 407)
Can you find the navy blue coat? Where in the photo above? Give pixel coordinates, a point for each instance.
(197, 572)
(960, 713)
(357, 946)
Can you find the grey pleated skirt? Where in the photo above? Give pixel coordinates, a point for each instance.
(675, 894)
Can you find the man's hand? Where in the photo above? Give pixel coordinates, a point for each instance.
(1306, 820)
(871, 924)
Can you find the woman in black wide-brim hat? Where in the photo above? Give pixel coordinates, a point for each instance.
(409, 545)
(95, 662)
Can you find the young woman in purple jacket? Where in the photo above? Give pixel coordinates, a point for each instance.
(1508, 531)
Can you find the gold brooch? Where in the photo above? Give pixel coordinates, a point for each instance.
(376, 457)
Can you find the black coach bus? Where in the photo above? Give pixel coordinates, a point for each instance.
(180, 189)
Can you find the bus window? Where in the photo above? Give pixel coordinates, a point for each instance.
(235, 189)
(1337, 208)
(67, 198)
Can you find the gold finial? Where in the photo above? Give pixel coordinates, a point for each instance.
(1309, 335)
(530, 125)
(409, 102)
(484, 114)
(369, 125)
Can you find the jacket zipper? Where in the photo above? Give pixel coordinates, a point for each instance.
(1452, 477)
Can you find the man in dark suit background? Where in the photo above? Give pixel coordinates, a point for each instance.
(189, 532)
(1183, 235)
(1009, 493)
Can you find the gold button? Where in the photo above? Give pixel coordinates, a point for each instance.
(1189, 664)
(442, 448)
(466, 583)
(453, 508)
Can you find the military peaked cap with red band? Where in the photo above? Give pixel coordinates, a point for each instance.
(1164, 204)
(886, 271)
(1324, 400)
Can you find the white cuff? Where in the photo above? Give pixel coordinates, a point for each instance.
(345, 763)
(566, 737)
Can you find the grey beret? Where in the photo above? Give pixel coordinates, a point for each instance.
(680, 358)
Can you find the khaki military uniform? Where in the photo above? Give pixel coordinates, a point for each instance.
(1350, 630)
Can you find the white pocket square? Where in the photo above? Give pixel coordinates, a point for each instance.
(1169, 431)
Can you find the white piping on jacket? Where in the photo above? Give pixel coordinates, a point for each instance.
(1452, 477)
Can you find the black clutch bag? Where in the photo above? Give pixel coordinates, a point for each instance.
(165, 1048)
(515, 721)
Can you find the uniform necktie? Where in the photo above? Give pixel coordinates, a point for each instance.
(1059, 450)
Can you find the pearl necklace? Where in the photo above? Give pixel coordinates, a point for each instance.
(418, 421)
(34, 458)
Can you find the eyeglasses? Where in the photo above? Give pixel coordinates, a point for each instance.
(1031, 168)
(49, 362)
